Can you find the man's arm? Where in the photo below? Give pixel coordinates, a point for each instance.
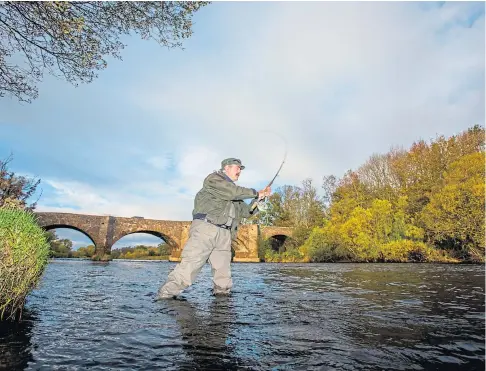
(220, 187)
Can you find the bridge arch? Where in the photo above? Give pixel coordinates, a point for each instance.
(268, 232)
(276, 236)
(166, 238)
(68, 226)
(277, 241)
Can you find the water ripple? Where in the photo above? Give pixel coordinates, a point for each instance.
(86, 315)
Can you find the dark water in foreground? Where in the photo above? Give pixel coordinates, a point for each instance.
(89, 315)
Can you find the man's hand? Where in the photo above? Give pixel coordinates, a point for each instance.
(264, 193)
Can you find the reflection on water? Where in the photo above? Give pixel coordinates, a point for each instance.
(15, 342)
(280, 316)
(206, 333)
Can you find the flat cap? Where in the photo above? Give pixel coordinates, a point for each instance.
(232, 161)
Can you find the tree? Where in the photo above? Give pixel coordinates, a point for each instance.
(350, 193)
(51, 235)
(60, 248)
(71, 40)
(16, 190)
(84, 252)
(422, 168)
(292, 206)
(378, 175)
(329, 186)
(455, 215)
(115, 253)
(164, 249)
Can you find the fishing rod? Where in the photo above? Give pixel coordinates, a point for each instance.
(275, 177)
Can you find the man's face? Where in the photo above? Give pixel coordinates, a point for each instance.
(233, 172)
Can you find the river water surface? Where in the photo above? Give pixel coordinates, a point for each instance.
(101, 316)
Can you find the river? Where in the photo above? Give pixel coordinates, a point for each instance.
(103, 316)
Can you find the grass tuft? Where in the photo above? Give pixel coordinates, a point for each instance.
(24, 253)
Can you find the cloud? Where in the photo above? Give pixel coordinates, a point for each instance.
(150, 200)
(160, 162)
(345, 80)
(75, 194)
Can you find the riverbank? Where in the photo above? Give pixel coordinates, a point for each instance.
(144, 258)
(148, 259)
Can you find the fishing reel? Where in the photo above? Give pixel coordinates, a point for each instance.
(263, 204)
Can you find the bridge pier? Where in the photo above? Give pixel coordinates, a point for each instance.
(246, 244)
(104, 239)
(176, 251)
(102, 253)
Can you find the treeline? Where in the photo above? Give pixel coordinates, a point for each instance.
(62, 248)
(159, 252)
(426, 203)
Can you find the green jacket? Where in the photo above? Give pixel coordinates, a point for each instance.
(215, 198)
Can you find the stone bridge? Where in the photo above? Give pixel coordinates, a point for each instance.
(105, 231)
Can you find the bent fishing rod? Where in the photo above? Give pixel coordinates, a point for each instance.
(275, 177)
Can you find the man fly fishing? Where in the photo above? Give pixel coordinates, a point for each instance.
(218, 209)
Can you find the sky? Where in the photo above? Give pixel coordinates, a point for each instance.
(330, 83)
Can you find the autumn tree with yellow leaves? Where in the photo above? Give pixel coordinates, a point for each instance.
(426, 203)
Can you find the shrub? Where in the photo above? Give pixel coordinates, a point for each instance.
(322, 246)
(290, 256)
(293, 256)
(411, 251)
(24, 253)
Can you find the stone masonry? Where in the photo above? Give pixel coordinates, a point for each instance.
(105, 231)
